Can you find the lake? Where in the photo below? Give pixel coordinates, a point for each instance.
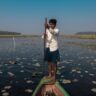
(76, 72)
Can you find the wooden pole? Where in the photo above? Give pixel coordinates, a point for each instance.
(45, 37)
(44, 68)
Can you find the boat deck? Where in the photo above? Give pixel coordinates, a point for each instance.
(47, 88)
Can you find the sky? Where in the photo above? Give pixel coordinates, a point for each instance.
(28, 16)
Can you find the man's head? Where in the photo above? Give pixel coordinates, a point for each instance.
(52, 23)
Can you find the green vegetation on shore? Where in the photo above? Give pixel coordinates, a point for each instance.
(10, 36)
(81, 36)
(87, 36)
(7, 34)
(65, 36)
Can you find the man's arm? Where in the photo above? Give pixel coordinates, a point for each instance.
(44, 35)
(54, 31)
(46, 27)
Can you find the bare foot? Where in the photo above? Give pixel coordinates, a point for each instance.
(53, 78)
(49, 76)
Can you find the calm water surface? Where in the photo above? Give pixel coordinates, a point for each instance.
(77, 71)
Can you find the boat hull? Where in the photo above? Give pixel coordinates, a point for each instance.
(45, 88)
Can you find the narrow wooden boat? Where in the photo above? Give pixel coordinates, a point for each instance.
(47, 88)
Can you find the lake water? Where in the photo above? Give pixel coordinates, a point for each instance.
(76, 73)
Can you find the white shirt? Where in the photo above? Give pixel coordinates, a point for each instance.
(52, 39)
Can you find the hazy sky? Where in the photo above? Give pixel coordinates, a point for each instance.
(27, 16)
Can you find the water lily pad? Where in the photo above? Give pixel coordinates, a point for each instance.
(7, 87)
(11, 74)
(28, 90)
(5, 94)
(93, 90)
(29, 81)
(66, 81)
(94, 82)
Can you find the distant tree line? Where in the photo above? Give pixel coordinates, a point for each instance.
(86, 33)
(9, 33)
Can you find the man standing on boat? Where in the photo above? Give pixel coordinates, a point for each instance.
(52, 56)
(49, 86)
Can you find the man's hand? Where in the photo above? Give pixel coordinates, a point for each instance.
(45, 35)
(46, 26)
